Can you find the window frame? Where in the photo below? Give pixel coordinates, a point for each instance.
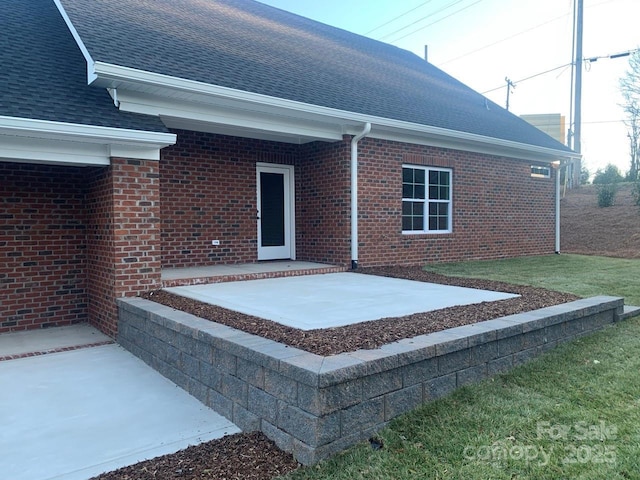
(540, 171)
(428, 201)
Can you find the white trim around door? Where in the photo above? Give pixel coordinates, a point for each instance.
(275, 185)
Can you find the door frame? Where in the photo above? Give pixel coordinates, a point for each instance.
(289, 209)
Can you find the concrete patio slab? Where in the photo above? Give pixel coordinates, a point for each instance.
(335, 299)
(76, 414)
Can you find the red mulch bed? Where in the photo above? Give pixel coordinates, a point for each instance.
(373, 334)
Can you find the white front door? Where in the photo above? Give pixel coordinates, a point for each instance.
(275, 211)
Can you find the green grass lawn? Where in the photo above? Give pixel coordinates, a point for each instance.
(583, 275)
(573, 413)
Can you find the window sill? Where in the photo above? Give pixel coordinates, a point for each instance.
(439, 232)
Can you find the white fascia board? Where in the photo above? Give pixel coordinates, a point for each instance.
(23, 139)
(81, 132)
(91, 76)
(466, 146)
(435, 136)
(49, 151)
(113, 76)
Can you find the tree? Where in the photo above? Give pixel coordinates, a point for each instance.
(630, 89)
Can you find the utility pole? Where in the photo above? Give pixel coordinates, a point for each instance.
(510, 85)
(578, 90)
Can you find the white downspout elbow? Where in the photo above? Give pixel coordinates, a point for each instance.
(354, 193)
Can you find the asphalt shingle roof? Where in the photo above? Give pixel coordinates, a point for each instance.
(43, 72)
(240, 44)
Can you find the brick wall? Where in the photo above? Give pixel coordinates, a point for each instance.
(323, 203)
(499, 210)
(123, 236)
(42, 247)
(208, 192)
(74, 239)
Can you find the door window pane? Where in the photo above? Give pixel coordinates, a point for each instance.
(272, 209)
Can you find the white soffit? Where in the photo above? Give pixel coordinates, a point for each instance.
(41, 141)
(224, 119)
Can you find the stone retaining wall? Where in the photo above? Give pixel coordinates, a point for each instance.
(315, 406)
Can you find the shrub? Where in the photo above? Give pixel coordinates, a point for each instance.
(606, 195)
(610, 174)
(584, 175)
(636, 192)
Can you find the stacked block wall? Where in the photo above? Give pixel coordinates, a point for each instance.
(42, 247)
(314, 406)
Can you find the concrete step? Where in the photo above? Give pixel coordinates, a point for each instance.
(629, 312)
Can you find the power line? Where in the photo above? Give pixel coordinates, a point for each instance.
(396, 18)
(522, 32)
(603, 121)
(530, 77)
(438, 21)
(590, 59)
(420, 19)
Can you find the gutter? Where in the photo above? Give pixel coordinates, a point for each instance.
(354, 193)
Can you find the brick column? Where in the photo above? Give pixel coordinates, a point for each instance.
(123, 236)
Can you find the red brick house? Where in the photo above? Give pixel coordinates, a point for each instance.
(133, 134)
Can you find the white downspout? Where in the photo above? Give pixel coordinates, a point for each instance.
(354, 193)
(558, 172)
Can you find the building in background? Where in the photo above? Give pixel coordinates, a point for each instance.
(553, 124)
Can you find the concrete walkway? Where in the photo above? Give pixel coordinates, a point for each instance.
(334, 299)
(75, 414)
(49, 340)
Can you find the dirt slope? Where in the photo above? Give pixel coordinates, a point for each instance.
(588, 229)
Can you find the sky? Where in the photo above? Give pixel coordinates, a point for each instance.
(482, 42)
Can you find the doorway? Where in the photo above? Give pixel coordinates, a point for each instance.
(275, 186)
